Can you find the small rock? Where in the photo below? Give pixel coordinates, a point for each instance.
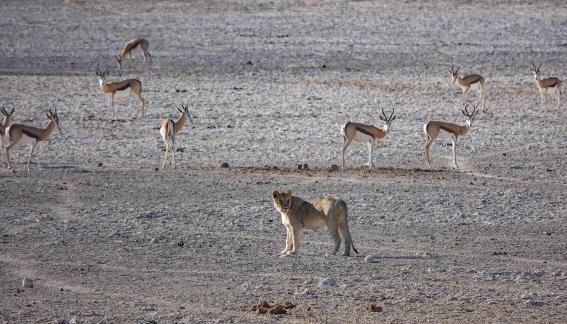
(328, 282)
(27, 282)
(224, 165)
(305, 166)
(180, 243)
(374, 308)
(158, 239)
(534, 303)
(99, 164)
(371, 259)
(299, 167)
(333, 168)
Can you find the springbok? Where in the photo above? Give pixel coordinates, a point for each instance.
(131, 45)
(169, 129)
(434, 128)
(365, 134)
(111, 87)
(5, 124)
(544, 84)
(466, 81)
(17, 133)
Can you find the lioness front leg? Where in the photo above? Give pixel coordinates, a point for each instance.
(295, 235)
(288, 241)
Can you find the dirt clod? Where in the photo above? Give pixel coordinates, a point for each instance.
(374, 308)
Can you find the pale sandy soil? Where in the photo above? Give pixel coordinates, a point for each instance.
(108, 238)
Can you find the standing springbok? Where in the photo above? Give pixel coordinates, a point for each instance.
(110, 88)
(18, 133)
(169, 129)
(365, 134)
(131, 45)
(465, 81)
(544, 84)
(5, 124)
(434, 128)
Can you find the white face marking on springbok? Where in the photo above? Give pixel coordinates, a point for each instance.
(169, 129)
(112, 87)
(544, 85)
(468, 81)
(365, 134)
(433, 129)
(4, 125)
(18, 133)
(130, 46)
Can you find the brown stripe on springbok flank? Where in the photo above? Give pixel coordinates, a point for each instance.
(363, 131)
(553, 85)
(134, 45)
(448, 130)
(125, 86)
(475, 81)
(29, 134)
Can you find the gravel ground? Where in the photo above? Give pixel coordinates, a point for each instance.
(106, 236)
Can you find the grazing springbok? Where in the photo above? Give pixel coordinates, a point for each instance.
(544, 84)
(18, 133)
(435, 128)
(111, 87)
(365, 134)
(131, 45)
(169, 129)
(5, 124)
(466, 81)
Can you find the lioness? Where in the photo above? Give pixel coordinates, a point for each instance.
(297, 214)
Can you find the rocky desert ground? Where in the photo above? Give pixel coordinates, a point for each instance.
(108, 237)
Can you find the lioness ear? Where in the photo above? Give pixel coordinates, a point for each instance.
(288, 193)
(275, 194)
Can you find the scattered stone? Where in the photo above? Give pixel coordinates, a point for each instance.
(299, 167)
(249, 63)
(150, 215)
(371, 259)
(288, 305)
(533, 303)
(328, 282)
(374, 308)
(158, 239)
(99, 164)
(27, 282)
(305, 166)
(180, 243)
(333, 168)
(224, 165)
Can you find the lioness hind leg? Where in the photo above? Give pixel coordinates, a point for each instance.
(333, 230)
(346, 237)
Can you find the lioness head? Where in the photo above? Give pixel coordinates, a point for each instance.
(282, 200)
